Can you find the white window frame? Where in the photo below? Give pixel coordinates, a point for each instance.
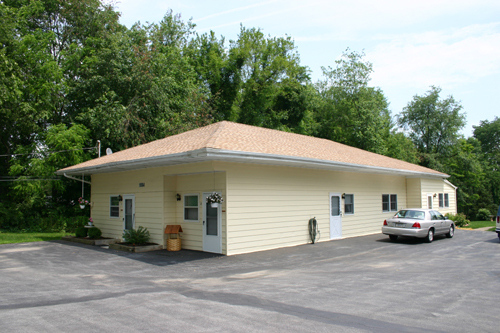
(447, 200)
(118, 197)
(197, 206)
(345, 210)
(390, 203)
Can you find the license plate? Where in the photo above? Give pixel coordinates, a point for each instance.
(399, 225)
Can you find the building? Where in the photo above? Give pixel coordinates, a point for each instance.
(272, 183)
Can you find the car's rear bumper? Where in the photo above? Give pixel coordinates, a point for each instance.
(413, 232)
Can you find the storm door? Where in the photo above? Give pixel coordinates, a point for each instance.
(212, 225)
(335, 216)
(128, 211)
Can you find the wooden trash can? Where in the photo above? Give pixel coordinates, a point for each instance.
(173, 244)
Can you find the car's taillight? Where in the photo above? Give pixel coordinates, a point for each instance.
(385, 222)
(416, 225)
(498, 219)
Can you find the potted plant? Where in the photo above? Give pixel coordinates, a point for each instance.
(215, 199)
(82, 202)
(91, 222)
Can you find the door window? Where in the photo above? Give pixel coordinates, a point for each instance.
(335, 205)
(129, 218)
(212, 221)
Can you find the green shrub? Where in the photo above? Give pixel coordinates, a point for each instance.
(139, 236)
(460, 219)
(94, 233)
(81, 232)
(483, 214)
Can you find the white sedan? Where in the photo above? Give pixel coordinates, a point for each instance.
(420, 223)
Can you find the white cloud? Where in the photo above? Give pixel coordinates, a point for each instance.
(445, 58)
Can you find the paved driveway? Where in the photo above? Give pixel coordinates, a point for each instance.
(363, 284)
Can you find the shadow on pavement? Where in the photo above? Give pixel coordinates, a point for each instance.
(157, 258)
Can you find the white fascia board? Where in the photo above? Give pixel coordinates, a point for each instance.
(212, 154)
(449, 183)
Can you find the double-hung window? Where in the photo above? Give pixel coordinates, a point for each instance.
(444, 200)
(114, 206)
(389, 202)
(349, 204)
(191, 207)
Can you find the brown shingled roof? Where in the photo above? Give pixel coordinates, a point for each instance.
(236, 137)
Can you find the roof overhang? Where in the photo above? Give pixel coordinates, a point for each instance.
(211, 154)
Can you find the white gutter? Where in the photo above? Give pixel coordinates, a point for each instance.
(209, 154)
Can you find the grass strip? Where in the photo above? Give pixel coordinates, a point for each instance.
(25, 237)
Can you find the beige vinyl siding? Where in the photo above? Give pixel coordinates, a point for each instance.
(436, 186)
(148, 202)
(206, 182)
(269, 206)
(413, 193)
(155, 203)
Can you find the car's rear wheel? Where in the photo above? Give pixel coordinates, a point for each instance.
(451, 232)
(430, 236)
(393, 237)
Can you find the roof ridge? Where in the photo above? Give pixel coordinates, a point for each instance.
(212, 138)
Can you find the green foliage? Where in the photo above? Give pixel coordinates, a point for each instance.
(460, 219)
(136, 237)
(351, 112)
(81, 232)
(488, 134)
(94, 233)
(433, 124)
(483, 214)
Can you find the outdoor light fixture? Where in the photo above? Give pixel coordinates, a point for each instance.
(343, 195)
(178, 197)
(435, 194)
(120, 198)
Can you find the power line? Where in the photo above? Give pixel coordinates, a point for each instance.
(49, 152)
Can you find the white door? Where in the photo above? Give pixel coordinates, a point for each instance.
(212, 227)
(128, 211)
(335, 216)
(429, 201)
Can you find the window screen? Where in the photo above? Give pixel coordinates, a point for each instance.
(349, 204)
(446, 200)
(389, 202)
(441, 200)
(114, 206)
(191, 207)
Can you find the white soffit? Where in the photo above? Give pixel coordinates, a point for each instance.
(210, 154)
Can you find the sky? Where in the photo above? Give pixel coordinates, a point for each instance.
(452, 44)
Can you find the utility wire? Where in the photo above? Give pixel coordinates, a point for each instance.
(48, 152)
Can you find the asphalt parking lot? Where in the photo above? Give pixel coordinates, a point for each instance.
(362, 284)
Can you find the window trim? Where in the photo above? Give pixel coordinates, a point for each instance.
(441, 200)
(197, 206)
(118, 197)
(390, 196)
(352, 203)
(446, 200)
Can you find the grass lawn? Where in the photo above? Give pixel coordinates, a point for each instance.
(481, 224)
(24, 237)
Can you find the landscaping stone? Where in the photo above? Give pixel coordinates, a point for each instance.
(88, 241)
(136, 248)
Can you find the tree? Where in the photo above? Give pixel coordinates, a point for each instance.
(488, 134)
(468, 172)
(433, 125)
(352, 112)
